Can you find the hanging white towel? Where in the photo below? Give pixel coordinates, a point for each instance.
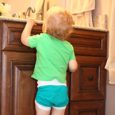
(41, 5)
(46, 7)
(110, 65)
(79, 6)
(82, 12)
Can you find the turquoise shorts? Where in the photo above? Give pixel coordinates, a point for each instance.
(52, 96)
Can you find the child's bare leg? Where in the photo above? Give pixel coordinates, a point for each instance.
(57, 111)
(41, 112)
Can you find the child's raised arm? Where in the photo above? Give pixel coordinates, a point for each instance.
(27, 31)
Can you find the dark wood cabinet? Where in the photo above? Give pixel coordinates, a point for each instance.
(86, 86)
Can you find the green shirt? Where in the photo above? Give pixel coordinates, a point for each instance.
(52, 57)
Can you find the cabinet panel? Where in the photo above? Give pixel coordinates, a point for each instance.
(18, 88)
(11, 36)
(87, 42)
(24, 89)
(87, 108)
(88, 82)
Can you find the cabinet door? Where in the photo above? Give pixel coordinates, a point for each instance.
(88, 82)
(18, 88)
(87, 108)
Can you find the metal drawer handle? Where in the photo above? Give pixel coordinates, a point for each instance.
(90, 78)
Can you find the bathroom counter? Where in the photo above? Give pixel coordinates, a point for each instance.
(41, 22)
(86, 86)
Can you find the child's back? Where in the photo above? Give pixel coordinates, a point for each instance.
(53, 56)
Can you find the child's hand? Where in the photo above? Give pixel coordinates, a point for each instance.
(31, 21)
(27, 31)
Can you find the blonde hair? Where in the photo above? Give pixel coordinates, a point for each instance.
(58, 23)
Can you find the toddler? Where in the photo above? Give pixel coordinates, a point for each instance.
(53, 56)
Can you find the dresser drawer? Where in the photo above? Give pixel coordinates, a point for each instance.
(87, 42)
(11, 36)
(84, 42)
(88, 82)
(87, 108)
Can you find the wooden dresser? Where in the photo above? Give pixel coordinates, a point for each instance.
(86, 87)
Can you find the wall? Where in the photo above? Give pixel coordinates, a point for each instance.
(1, 1)
(19, 5)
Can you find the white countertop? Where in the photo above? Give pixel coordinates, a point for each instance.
(40, 22)
(17, 19)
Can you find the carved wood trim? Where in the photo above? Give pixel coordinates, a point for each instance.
(90, 43)
(12, 34)
(13, 61)
(92, 89)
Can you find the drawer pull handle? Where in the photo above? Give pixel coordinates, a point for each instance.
(90, 78)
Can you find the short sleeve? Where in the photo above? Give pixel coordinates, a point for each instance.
(72, 54)
(33, 40)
